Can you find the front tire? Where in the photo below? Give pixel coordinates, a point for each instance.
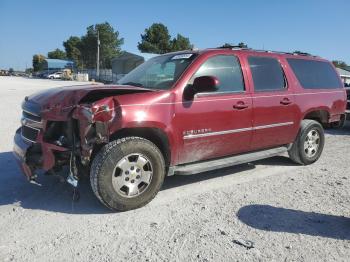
(127, 173)
(308, 146)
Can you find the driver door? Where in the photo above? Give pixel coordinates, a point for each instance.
(218, 123)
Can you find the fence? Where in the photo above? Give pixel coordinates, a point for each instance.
(106, 75)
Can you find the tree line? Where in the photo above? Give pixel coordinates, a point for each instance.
(341, 64)
(82, 50)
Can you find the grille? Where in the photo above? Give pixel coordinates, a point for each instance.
(348, 97)
(31, 116)
(29, 133)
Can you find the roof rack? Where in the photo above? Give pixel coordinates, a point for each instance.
(272, 51)
(235, 47)
(301, 53)
(267, 51)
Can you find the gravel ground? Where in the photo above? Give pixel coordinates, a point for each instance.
(270, 210)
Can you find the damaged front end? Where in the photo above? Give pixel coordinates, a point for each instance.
(53, 137)
(93, 125)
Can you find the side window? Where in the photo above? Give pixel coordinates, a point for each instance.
(267, 73)
(228, 71)
(314, 74)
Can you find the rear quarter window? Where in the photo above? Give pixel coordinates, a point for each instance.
(314, 74)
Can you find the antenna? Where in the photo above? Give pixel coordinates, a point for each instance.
(98, 56)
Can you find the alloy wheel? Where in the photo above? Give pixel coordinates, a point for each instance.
(132, 175)
(312, 143)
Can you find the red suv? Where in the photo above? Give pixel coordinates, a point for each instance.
(181, 113)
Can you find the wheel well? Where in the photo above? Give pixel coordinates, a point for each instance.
(155, 135)
(320, 116)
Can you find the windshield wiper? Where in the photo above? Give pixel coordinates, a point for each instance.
(133, 84)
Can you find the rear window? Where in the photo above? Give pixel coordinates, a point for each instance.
(267, 73)
(314, 74)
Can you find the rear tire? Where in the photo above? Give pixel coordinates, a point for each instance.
(308, 145)
(127, 173)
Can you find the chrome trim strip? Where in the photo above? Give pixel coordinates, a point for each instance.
(31, 123)
(218, 133)
(32, 120)
(273, 125)
(236, 130)
(38, 129)
(27, 138)
(31, 113)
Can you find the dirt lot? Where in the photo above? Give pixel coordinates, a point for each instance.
(270, 210)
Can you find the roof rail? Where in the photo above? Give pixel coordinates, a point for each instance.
(271, 51)
(301, 53)
(233, 47)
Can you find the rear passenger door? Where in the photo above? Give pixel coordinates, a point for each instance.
(274, 108)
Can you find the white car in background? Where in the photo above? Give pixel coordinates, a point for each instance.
(57, 75)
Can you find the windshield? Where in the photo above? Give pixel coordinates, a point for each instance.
(160, 72)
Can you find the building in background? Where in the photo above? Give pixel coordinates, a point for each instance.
(345, 75)
(126, 61)
(121, 65)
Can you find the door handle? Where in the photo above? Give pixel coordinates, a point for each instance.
(285, 101)
(240, 105)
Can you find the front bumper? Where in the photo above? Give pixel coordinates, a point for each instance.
(31, 150)
(20, 149)
(35, 155)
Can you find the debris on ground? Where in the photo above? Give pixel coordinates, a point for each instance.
(245, 243)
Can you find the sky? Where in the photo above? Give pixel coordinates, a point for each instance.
(318, 27)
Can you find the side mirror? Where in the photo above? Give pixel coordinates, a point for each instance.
(204, 84)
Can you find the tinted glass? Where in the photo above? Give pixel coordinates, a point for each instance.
(227, 69)
(267, 73)
(314, 74)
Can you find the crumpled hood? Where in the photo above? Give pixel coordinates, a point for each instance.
(63, 98)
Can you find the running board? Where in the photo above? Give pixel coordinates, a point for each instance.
(203, 166)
